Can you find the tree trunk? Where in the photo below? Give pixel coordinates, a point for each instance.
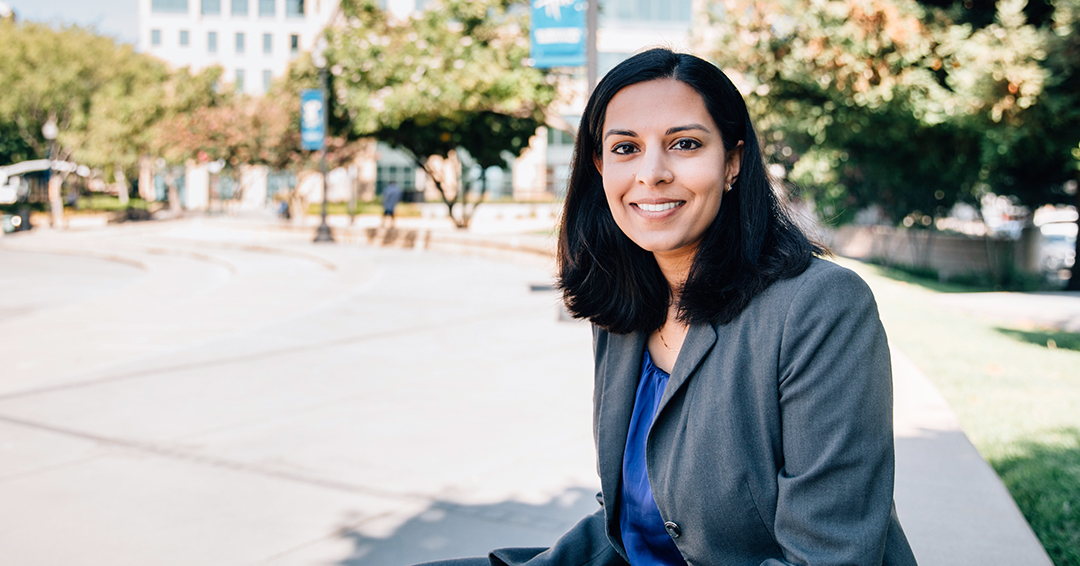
(121, 185)
(56, 201)
(146, 179)
(174, 195)
(442, 192)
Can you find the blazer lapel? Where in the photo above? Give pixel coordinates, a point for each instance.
(699, 341)
(620, 370)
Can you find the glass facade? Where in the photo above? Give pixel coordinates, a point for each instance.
(268, 79)
(185, 38)
(647, 10)
(211, 42)
(239, 7)
(169, 6)
(294, 8)
(211, 7)
(403, 175)
(268, 43)
(240, 42)
(155, 37)
(266, 8)
(294, 44)
(239, 82)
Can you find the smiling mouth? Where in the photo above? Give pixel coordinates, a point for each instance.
(659, 207)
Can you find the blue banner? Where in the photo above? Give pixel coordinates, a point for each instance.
(312, 119)
(557, 35)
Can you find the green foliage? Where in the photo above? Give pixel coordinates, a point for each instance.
(13, 148)
(909, 107)
(448, 79)
(102, 95)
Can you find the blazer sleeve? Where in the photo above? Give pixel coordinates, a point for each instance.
(586, 544)
(835, 484)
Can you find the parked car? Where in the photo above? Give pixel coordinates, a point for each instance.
(10, 223)
(1058, 248)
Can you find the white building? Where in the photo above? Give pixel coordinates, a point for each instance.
(253, 40)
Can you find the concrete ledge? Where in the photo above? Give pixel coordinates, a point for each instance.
(954, 508)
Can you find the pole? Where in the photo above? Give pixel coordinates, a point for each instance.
(591, 16)
(323, 234)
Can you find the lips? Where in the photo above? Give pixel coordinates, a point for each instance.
(661, 207)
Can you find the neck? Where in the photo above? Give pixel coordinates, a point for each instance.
(675, 266)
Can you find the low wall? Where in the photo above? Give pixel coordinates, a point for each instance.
(947, 254)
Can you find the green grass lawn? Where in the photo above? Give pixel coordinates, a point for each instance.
(1016, 391)
(105, 203)
(403, 209)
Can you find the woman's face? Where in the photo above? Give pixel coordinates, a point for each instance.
(664, 166)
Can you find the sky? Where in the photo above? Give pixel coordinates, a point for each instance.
(116, 18)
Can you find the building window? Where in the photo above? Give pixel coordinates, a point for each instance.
(211, 41)
(239, 7)
(155, 37)
(266, 8)
(403, 175)
(294, 44)
(268, 43)
(294, 8)
(169, 6)
(239, 82)
(211, 7)
(649, 10)
(239, 42)
(268, 78)
(184, 39)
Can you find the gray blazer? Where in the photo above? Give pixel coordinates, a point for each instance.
(773, 442)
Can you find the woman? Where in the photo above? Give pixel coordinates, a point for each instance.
(743, 402)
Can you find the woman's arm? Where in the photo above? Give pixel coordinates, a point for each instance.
(835, 486)
(584, 544)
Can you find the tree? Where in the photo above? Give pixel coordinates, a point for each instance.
(101, 95)
(451, 81)
(125, 109)
(186, 95)
(909, 106)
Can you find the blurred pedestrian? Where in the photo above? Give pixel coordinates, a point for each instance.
(391, 198)
(743, 401)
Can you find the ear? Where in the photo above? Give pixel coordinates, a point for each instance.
(734, 163)
(598, 161)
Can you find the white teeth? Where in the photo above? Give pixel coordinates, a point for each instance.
(658, 207)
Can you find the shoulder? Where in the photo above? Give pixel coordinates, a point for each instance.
(823, 284)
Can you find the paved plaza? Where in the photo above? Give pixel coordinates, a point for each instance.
(201, 392)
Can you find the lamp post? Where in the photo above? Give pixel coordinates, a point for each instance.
(323, 234)
(56, 204)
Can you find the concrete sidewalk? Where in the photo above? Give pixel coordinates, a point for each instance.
(221, 391)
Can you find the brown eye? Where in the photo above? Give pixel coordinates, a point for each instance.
(623, 149)
(687, 144)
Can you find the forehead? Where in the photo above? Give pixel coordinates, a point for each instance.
(661, 103)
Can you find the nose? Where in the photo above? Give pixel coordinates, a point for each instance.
(654, 169)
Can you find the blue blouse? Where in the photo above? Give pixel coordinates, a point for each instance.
(643, 534)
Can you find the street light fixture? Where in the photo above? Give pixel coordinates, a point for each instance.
(319, 59)
(50, 131)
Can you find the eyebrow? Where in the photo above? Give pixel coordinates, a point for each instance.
(672, 130)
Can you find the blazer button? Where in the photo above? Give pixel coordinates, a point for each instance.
(672, 529)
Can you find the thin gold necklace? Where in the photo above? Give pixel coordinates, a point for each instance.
(660, 331)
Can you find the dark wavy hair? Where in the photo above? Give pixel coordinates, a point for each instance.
(753, 242)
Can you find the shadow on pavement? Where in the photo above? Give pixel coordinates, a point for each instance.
(449, 530)
(1051, 339)
(1044, 479)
